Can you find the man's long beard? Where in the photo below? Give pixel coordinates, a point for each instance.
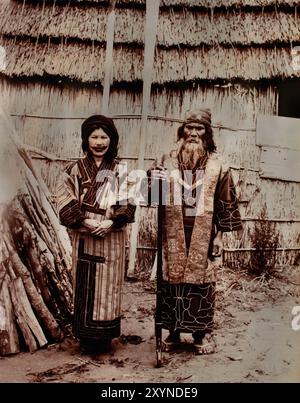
(191, 154)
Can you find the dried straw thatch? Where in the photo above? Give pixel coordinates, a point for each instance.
(226, 3)
(194, 3)
(81, 62)
(175, 27)
(68, 41)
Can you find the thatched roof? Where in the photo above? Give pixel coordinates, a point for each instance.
(175, 27)
(67, 39)
(188, 3)
(84, 63)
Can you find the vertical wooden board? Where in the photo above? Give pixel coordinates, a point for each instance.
(280, 163)
(278, 131)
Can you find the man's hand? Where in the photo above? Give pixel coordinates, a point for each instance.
(217, 245)
(159, 172)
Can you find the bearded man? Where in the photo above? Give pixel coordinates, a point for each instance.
(201, 205)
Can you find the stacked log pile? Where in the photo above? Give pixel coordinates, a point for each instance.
(35, 263)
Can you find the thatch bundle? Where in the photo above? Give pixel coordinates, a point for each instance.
(186, 3)
(67, 40)
(35, 260)
(175, 26)
(79, 62)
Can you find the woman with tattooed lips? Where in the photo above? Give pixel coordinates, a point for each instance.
(91, 204)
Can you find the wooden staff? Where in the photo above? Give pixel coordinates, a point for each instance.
(158, 322)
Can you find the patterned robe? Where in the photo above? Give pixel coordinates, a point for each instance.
(195, 210)
(86, 191)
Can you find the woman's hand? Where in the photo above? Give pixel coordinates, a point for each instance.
(217, 245)
(103, 228)
(90, 224)
(97, 228)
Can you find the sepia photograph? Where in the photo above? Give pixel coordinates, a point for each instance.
(149, 194)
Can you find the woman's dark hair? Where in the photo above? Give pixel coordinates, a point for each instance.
(107, 125)
(208, 137)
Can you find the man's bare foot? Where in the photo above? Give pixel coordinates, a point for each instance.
(206, 346)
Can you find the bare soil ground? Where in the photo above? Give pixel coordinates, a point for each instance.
(255, 341)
